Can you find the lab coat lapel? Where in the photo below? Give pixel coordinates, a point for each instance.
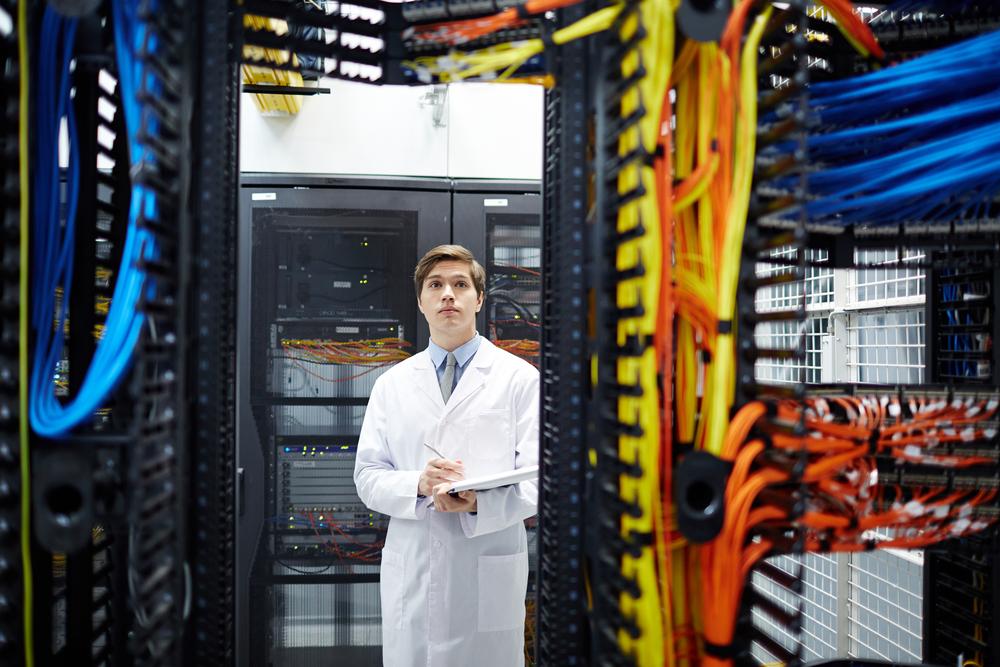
(474, 378)
(425, 377)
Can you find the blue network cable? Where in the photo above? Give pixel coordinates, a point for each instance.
(53, 256)
(912, 143)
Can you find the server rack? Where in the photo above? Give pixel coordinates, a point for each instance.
(501, 223)
(108, 552)
(325, 262)
(962, 578)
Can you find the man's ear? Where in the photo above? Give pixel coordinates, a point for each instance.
(479, 305)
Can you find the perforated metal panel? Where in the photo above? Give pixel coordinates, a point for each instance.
(864, 325)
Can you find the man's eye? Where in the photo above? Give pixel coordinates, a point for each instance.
(435, 284)
(462, 283)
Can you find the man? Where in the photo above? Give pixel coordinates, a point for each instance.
(454, 569)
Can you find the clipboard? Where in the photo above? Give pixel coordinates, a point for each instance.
(486, 482)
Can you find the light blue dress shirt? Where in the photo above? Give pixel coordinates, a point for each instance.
(463, 355)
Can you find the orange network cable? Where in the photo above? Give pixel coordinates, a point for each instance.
(844, 507)
(523, 348)
(453, 33)
(380, 351)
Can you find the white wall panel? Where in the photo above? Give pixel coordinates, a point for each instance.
(356, 129)
(495, 131)
(485, 131)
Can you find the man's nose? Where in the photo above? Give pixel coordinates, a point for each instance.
(448, 293)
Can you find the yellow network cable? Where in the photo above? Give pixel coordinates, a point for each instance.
(28, 606)
(262, 74)
(507, 58)
(722, 374)
(655, 53)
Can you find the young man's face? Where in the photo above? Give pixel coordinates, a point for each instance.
(449, 301)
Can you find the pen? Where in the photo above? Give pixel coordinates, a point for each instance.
(440, 455)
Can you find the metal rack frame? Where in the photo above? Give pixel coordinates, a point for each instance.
(562, 638)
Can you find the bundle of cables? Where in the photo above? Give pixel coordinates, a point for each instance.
(913, 143)
(835, 501)
(704, 184)
(368, 355)
(52, 260)
(454, 33)
(502, 61)
(346, 540)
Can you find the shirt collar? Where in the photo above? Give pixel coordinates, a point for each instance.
(462, 354)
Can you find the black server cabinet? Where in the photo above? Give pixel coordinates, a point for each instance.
(501, 223)
(326, 305)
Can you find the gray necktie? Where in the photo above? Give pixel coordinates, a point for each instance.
(448, 379)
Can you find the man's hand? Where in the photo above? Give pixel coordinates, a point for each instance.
(439, 471)
(465, 501)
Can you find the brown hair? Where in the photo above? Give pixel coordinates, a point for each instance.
(444, 253)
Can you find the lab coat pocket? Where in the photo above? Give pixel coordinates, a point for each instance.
(490, 444)
(503, 583)
(391, 588)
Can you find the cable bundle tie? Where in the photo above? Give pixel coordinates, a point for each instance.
(627, 198)
(622, 49)
(629, 9)
(620, 584)
(631, 273)
(729, 651)
(616, 389)
(791, 620)
(630, 234)
(618, 91)
(622, 506)
(619, 467)
(637, 155)
(634, 346)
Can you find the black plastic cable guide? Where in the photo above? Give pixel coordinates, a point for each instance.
(434, 11)
(699, 495)
(346, 57)
(607, 545)
(904, 35)
(792, 97)
(10, 448)
(534, 29)
(334, 50)
(302, 15)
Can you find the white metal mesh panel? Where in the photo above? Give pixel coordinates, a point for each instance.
(787, 335)
(819, 626)
(818, 283)
(886, 598)
(887, 346)
(895, 281)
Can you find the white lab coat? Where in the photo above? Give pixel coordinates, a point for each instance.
(452, 584)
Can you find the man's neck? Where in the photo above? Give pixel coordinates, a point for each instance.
(452, 343)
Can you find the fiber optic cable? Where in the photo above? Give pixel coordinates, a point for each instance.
(505, 59)
(27, 575)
